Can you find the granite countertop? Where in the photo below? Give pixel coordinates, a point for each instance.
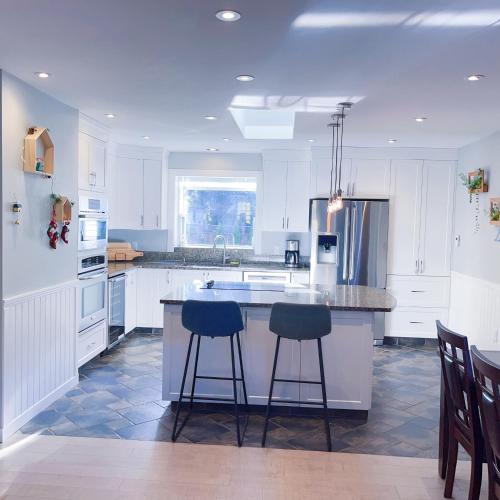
(115, 268)
(340, 297)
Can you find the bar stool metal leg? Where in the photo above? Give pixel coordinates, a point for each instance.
(268, 409)
(235, 393)
(241, 370)
(195, 371)
(174, 434)
(323, 392)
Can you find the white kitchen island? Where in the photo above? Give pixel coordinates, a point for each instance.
(347, 351)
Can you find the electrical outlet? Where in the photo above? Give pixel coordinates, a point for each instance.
(457, 240)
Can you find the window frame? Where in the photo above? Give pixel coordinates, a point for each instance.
(173, 204)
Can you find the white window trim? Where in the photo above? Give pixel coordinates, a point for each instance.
(172, 202)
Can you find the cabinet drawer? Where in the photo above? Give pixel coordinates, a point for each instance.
(414, 322)
(419, 291)
(90, 343)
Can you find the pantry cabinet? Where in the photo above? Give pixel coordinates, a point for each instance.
(286, 196)
(92, 163)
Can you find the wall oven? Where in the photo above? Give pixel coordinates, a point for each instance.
(92, 223)
(92, 290)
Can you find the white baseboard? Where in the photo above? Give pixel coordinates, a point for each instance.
(38, 407)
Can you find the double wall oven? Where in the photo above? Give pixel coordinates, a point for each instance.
(92, 262)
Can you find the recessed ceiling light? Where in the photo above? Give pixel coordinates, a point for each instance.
(475, 78)
(420, 119)
(245, 78)
(209, 117)
(212, 149)
(146, 137)
(226, 139)
(392, 141)
(228, 15)
(42, 74)
(110, 115)
(311, 140)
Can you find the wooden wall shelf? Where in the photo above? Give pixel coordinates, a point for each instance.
(478, 173)
(62, 209)
(38, 144)
(494, 207)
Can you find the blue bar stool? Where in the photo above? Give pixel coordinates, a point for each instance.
(211, 319)
(300, 322)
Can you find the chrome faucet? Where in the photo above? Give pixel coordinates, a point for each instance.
(218, 237)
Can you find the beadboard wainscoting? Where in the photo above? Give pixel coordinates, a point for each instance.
(475, 310)
(38, 353)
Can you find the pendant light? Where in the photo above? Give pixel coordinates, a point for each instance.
(335, 201)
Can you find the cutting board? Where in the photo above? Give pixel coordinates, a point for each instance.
(122, 251)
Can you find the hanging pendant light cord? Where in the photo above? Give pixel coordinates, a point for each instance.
(341, 145)
(337, 173)
(331, 169)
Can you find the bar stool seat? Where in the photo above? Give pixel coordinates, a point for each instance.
(211, 319)
(300, 322)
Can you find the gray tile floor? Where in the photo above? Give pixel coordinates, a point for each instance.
(119, 396)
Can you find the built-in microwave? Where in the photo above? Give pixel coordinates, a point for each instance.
(92, 223)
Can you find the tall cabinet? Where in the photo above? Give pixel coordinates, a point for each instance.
(419, 253)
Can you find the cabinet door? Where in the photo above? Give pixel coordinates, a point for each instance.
(273, 213)
(370, 177)
(83, 161)
(97, 164)
(162, 287)
(321, 177)
(301, 278)
(438, 184)
(128, 194)
(297, 196)
(152, 194)
(146, 286)
(131, 300)
(404, 217)
(224, 275)
(187, 276)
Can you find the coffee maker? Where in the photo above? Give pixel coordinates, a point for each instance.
(292, 253)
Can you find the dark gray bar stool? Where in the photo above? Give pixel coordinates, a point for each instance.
(300, 322)
(211, 319)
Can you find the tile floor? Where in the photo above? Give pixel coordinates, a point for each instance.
(119, 396)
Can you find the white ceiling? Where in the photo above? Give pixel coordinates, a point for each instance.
(162, 65)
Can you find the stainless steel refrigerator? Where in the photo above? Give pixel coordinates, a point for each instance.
(349, 247)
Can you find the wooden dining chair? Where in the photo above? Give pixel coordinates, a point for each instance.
(463, 421)
(487, 376)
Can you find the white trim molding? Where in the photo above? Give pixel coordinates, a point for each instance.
(475, 310)
(37, 362)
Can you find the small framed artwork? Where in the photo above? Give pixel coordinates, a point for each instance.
(494, 211)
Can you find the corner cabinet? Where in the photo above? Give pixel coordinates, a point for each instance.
(420, 225)
(92, 163)
(286, 196)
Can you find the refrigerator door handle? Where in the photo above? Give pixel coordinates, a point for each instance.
(353, 237)
(346, 244)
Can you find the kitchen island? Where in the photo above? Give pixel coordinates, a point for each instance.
(347, 351)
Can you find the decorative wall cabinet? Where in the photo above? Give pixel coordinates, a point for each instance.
(39, 152)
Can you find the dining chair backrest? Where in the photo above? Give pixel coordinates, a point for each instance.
(487, 375)
(459, 383)
(300, 321)
(212, 318)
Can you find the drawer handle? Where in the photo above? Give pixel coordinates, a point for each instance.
(92, 344)
(417, 322)
(417, 291)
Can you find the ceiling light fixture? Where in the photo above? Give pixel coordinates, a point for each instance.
(392, 141)
(420, 119)
(311, 140)
(245, 78)
(209, 117)
(42, 74)
(228, 16)
(335, 199)
(226, 139)
(146, 137)
(110, 115)
(212, 149)
(475, 78)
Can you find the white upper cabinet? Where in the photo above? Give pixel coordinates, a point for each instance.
(126, 210)
(420, 224)
(369, 177)
(321, 176)
(152, 194)
(404, 217)
(286, 196)
(438, 188)
(92, 163)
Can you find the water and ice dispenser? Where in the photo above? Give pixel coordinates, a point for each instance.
(327, 249)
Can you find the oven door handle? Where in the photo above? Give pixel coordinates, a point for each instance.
(93, 276)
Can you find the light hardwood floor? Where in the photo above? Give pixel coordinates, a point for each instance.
(51, 467)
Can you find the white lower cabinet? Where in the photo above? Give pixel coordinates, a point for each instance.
(301, 278)
(90, 343)
(152, 284)
(130, 300)
(416, 322)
